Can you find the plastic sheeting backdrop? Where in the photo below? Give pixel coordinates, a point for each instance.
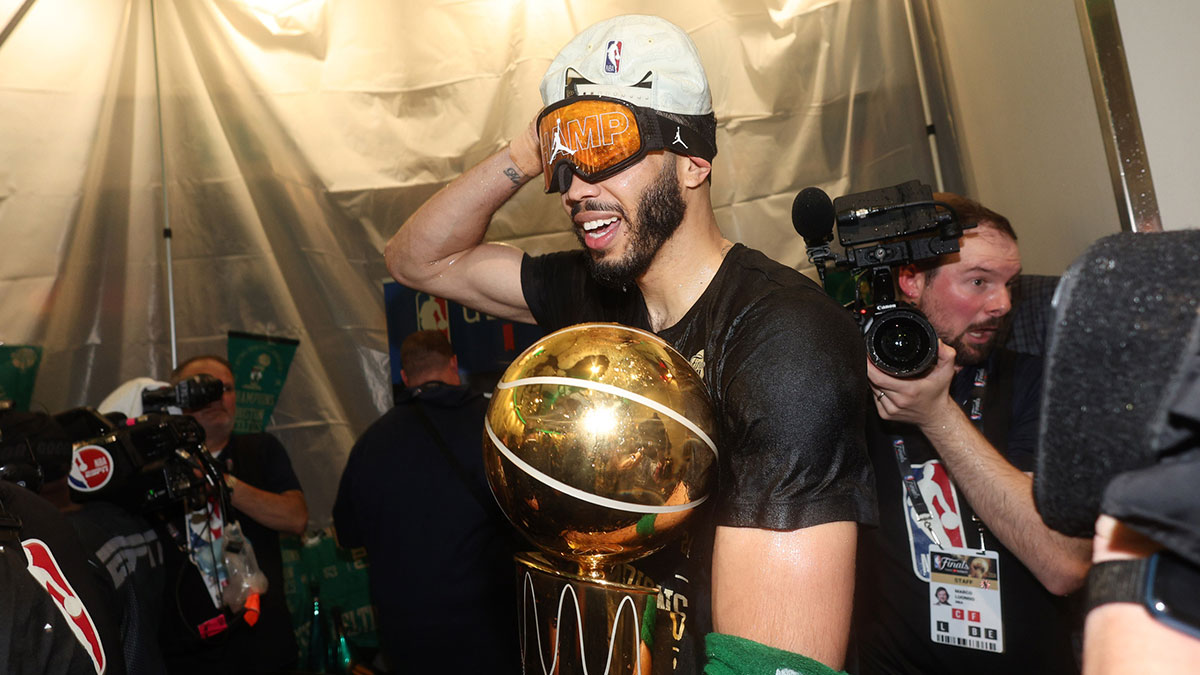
(298, 135)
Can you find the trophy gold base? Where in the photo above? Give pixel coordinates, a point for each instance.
(571, 624)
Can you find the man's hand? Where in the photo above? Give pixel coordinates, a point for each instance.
(525, 151)
(924, 401)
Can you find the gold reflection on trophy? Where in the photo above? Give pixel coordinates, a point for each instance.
(599, 444)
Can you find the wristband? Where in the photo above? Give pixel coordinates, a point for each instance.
(732, 655)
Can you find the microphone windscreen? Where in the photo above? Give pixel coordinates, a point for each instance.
(813, 216)
(1122, 315)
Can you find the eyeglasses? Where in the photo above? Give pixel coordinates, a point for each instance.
(595, 137)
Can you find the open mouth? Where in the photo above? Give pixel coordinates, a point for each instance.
(599, 233)
(982, 333)
(594, 229)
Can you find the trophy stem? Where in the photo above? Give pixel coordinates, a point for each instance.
(590, 569)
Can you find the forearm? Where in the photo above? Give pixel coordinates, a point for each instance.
(1121, 638)
(1002, 496)
(285, 512)
(789, 590)
(453, 221)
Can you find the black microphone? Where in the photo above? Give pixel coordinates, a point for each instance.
(813, 216)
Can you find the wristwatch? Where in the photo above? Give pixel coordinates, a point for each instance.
(231, 481)
(1166, 584)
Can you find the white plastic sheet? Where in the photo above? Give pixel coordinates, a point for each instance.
(298, 135)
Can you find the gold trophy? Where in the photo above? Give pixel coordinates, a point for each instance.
(598, 447)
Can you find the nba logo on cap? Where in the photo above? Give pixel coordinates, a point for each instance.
(612, 56)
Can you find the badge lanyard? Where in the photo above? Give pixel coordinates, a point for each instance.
(974, 410)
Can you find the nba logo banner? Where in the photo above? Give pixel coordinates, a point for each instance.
(483, 343)
(612, 57)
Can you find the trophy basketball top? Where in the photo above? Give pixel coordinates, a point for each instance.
(599, 444)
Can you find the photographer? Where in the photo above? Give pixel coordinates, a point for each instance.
(964, 435)
(266, 499)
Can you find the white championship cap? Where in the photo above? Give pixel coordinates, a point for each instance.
(644, 60)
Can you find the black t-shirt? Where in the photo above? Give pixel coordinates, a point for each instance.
(270, 644)
(440, 549)
(892, 615)
(35, 634)
(784, 365)
(128, 548)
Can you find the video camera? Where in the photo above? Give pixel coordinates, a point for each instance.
(149, 462)
(880, 230)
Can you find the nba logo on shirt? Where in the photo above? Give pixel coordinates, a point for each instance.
(612, 56)
(42, 565)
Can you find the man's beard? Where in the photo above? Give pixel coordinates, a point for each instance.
(659, 213)
(973, 355)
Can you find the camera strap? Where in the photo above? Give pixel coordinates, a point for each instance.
(459, 470)
(924, 517)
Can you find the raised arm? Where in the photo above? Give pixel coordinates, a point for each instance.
(1001, 494)
(440, 248)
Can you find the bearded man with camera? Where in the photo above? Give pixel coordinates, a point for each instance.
(953, 451)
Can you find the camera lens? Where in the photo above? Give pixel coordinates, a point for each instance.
(901, 342)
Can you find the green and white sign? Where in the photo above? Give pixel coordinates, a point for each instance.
(260, 367)
(18, 372)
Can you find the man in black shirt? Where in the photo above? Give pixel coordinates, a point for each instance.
(266, 499)
(627, 139)
(414, 493)
(965, 434)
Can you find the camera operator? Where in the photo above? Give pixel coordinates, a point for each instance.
(266, 499)
(953, 450)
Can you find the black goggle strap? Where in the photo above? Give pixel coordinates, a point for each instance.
(667, 134)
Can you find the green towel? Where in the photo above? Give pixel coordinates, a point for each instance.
(732, 655)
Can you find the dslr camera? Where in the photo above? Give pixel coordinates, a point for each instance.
(880, 230)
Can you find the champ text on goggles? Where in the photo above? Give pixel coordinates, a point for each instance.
(595, 137)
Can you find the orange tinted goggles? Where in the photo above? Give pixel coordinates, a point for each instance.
(595, 137)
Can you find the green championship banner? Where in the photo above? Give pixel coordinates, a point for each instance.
(260, 367)
(18, 371)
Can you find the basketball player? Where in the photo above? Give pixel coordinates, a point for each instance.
(782, 361)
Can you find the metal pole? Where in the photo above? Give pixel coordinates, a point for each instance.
(1137, 204)
(162, 159)
(930, 131)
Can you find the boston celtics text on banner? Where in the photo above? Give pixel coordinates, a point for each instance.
(260, 366)
(18, 371)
